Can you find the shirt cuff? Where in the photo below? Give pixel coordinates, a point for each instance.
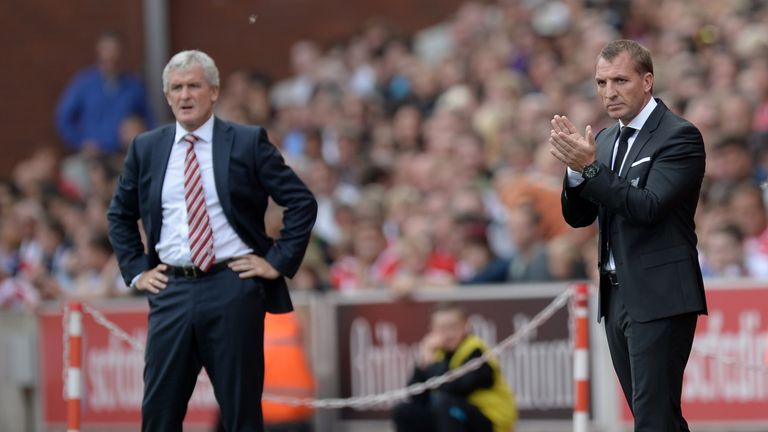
(135, 279)
(574, 178)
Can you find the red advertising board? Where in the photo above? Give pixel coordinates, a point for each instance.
(111, 373)
(378, 345)
(726, 379)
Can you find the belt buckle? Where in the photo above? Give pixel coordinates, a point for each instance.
(190, 272)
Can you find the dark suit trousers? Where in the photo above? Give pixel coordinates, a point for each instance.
(649, 359)
(216, 322)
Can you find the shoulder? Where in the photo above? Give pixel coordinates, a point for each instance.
(86, 76)
(473, 343)
(241, 130)
(131, 80)
(678, 126)
(246, 134)
(673, 122)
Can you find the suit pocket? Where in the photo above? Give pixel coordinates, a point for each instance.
(664, 256)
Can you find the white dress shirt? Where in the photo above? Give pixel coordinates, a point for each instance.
(173, 247)
(637, 123)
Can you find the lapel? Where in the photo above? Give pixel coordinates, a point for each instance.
(222, 149)
(645, 134)
(161, 152)
(604, 152)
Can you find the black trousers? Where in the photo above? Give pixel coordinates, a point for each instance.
(216, 322)
(443, 413)
(649, 359)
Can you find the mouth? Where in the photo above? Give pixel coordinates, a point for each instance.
(613, 106)
(186, 108)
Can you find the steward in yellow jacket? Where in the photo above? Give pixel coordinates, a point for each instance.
(479, 401)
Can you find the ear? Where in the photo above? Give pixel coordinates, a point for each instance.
(648, 82)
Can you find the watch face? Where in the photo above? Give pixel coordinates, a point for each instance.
(590, 171)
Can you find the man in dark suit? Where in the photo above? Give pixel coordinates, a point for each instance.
(643, 186)
(200, 188)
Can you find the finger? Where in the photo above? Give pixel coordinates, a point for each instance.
(560, 143)
(243, 263)
(249, 274)
(161, 277)
(590, 136)
(237, 261)
(148, 287)
(567, 125)
(241, 266)
(574, 142)
(555, 123)
(558, 156)
(560, 125)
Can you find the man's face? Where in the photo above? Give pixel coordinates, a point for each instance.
(622, 89)
(451, 326)
(191, 97)
(108, 52)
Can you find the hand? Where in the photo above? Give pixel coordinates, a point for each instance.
(253, 266)
(153, 280)
(428, 349)
(569, 147)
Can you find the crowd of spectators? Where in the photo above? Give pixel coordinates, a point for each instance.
(428, 152)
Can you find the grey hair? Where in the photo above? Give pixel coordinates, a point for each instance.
(185, 60)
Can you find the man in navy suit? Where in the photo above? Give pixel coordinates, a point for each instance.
(641, 179)
(200, 188)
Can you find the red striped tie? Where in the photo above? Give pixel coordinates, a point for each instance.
(200, 233)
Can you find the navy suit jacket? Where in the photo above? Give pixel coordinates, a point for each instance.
(247, 170)
(648, 212)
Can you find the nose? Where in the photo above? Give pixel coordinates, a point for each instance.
(610, 90)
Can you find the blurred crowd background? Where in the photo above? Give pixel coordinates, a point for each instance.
(427, 151)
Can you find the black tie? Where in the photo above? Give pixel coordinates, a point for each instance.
(626, 132)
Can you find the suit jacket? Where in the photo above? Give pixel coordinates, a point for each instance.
(648, 212)
(247, 170)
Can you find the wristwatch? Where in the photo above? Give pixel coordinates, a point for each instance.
(590, 170)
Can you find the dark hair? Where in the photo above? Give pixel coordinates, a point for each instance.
(446, 306)
(640, 55)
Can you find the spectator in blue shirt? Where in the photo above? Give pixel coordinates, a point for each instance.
(99, 98)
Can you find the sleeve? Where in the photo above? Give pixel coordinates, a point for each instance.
(574, 178)
(676, 170)
(123, 216)
(422, 374)
(578, 212)
(288, 191)
(481, 377)
(68, 113)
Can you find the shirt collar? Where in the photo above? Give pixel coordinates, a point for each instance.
(638, 122)
(204, 133)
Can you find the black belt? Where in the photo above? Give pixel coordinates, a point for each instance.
(612, 278)
(194, 272)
